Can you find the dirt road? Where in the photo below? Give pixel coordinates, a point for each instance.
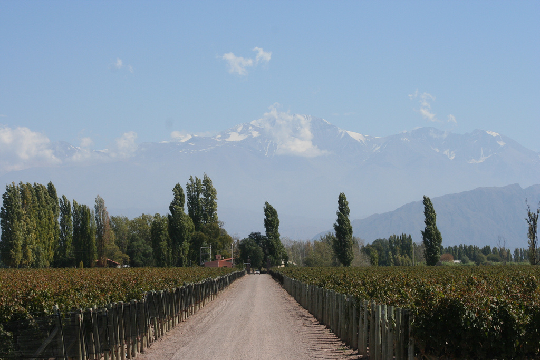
(253, 319)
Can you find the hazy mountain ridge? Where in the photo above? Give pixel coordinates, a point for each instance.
(483, 216)
(298, 163)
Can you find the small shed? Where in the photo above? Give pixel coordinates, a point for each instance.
(110, 263)
(219, 262)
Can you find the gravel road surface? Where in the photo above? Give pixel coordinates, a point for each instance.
(252, 319)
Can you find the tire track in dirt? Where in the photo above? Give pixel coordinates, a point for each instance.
(252, 319)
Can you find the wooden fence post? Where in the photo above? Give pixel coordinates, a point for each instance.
(95, 332)
(384, 332)
(354, 319)
(372, 330)
(411, 340)
(350, 320)
(60, 337)
(76, 322)
(391, 331)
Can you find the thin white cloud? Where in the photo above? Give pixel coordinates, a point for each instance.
(21, 148)
(425, 99)
(86, 142)
(413, 96)
(239, 64)
(262, 56)
(427, 114)
(291, 132)
(122, 148)
(125, 146)
(119, 65)
(180, 136)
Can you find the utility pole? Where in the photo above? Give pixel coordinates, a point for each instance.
(200, 253)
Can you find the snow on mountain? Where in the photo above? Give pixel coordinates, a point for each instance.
(298, 163)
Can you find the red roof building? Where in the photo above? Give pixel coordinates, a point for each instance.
(220, 262)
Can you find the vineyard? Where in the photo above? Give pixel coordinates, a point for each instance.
(473, 312)
(36, 291)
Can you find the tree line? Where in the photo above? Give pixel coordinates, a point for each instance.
(268, 250)
(400, 250)
(40, 229)
(264, 250)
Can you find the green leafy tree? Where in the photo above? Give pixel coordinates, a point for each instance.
(29, 225)
(250, 250)
(105, 239)
(343, 244)
(84, 235)
(102, 228)
(30, 222)
(532, 234)
(320, 252)
(161, 247)
(54, 220)
(11, 247)
(181, 228)
(65, 255)
(139, 246)
(198, 240)
(431, 236)
(209, 202)
(45, 215)
(272, 247)
(194, 190)
(202, 209)
(401, 250)
(121, 230)
(372, 253)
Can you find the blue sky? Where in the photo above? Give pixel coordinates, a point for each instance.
(93, 72)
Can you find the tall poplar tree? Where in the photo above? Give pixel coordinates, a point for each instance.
(209, 201)
(274, 250)
(84, 235)
(29, 207)
(161, 247)
(194, 190)
(54, 207)
(12, 227)
(431, 236)
(180, 228)
(45, 243)
(30, 223)
(532, 234)
(104, 234)
(65, 245)
(343, 242)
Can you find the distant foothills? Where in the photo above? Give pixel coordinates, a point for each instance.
(478, 181)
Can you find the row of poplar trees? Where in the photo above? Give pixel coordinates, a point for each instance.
(402, 248)
(39, 229)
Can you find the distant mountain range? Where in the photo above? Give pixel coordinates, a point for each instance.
(298, 163)
(484, 216)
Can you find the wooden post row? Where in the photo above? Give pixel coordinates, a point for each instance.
(120, 331)
(377, 331)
